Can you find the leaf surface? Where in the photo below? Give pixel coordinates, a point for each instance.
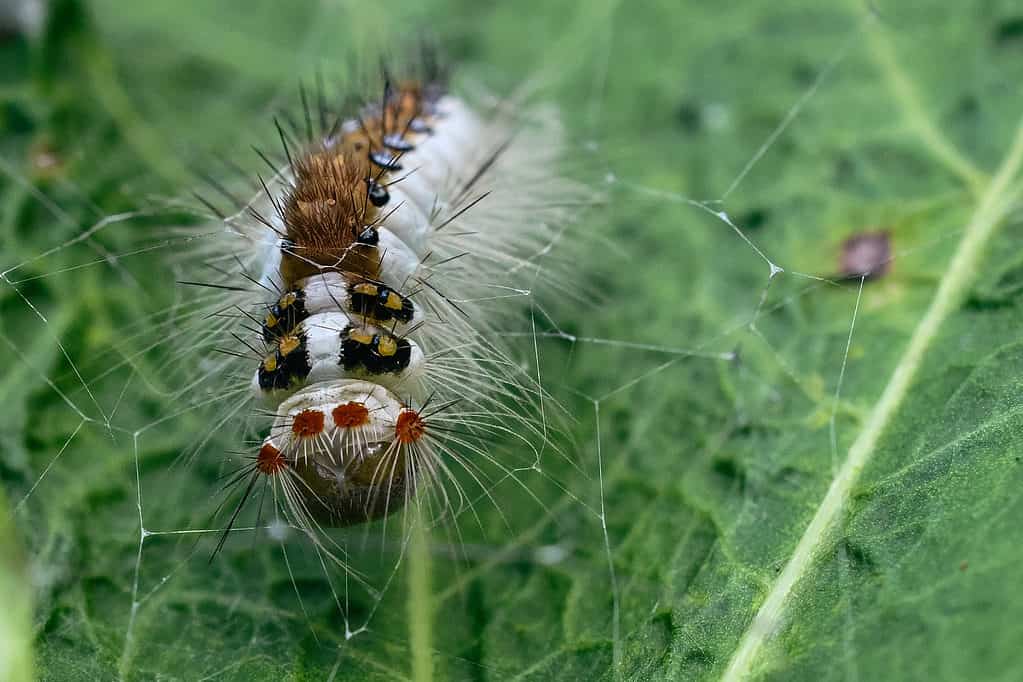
(803, 477)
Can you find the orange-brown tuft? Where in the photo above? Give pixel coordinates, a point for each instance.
(327, 208)
(326, 211)
(350, 415)
(406, 102)
(270, 460)
(410, 427)
(307, 423)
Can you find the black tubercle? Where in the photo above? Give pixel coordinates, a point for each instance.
(378, 194)
(369, 236)
(418, 125)
(385, 159)
(398, 143)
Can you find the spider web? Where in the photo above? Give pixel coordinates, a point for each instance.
(613, 383)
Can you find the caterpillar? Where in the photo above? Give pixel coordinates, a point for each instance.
(385, 248)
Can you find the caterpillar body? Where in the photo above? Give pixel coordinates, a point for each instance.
(386, 244)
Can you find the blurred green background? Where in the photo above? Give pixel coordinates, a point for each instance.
(893, 117)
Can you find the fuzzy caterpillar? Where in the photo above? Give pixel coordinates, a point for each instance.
(382, 241)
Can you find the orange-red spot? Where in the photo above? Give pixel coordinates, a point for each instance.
(307, 423)
(410, 427)
(350, 415)
(270, 460)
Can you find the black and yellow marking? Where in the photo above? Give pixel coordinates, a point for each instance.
(289, 344)
(380, 303)
(284, 315)
(375, 353)
(360, 336)
(387, 346)
(270, 363)
(286, 365)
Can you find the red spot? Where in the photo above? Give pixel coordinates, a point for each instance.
(270, 460)
(410, 427)
(350, 415)
(307, 423)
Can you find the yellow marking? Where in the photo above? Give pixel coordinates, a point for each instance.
(366, 288)
(271, 321)
(360, 335)
(387, 346)
(270, 363)
(287, 299)
(288, 344)
(393, 301)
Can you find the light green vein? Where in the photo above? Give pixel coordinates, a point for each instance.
(916, 114)
(991, 209)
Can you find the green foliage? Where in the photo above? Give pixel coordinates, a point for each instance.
(856, 485)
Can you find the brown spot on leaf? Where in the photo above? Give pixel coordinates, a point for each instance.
(867, 254)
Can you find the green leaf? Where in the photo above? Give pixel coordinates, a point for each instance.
(777, 473)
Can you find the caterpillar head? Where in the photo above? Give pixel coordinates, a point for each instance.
(345, 449)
